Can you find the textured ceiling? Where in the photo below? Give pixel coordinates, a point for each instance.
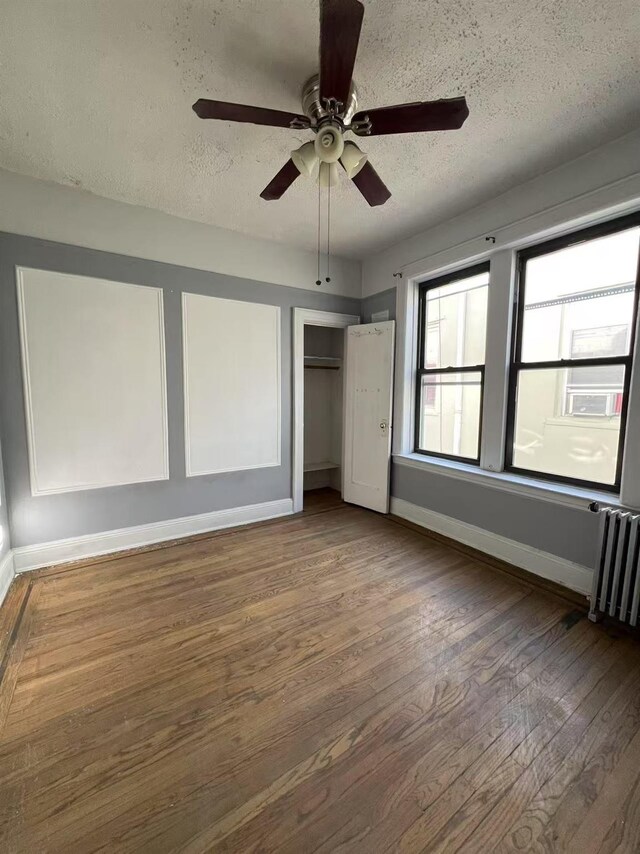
(98, 95)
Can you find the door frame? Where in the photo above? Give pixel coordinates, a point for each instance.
(306, 317)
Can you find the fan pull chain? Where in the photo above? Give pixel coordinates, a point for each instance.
(328, 278)
(318, 280)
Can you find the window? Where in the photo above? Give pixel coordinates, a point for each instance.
(450, 374)
(572, 355)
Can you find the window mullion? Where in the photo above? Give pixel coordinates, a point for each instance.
(497, 357)
(573, 363)
(452, 370)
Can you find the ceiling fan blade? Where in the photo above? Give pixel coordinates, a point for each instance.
(447, 114)
(340, 24)
(371, 185)
(206, 109)
(279, 185)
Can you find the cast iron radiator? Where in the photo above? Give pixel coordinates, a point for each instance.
(616, 580)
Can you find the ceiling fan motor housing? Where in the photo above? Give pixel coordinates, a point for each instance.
(313, 107)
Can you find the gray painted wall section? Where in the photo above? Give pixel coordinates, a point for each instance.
(51, 517)
(323, 341)
(379, 302)
(5, 544)
(567, 532)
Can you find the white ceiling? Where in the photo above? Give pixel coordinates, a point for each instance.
(98, 95)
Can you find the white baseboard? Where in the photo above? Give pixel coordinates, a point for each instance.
(93, 545)
(571, 575)
(6, 574)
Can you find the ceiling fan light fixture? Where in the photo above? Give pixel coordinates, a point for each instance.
(306, 160)
(329, 144)
(328, 176)
(353, 159)
(330, 107)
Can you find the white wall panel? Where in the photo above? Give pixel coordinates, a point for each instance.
(231, 384)
(94, 379)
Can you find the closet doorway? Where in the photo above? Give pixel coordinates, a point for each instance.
(318, 354)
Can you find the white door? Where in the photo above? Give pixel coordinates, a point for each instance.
(368, 406)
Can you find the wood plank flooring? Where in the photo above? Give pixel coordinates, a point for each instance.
(329, 682)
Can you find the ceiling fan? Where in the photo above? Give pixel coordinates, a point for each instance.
(330, 109)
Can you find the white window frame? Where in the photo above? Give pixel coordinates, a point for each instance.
(479, 369)
(502, 285)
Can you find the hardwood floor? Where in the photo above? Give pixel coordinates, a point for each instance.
(329, 682)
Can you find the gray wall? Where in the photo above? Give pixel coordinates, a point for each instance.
(4, 516)
(323, 341)
(566, 532)
(379, 302)
(51, 517)
(563, 531)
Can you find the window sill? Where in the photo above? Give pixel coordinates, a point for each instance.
(571, 496)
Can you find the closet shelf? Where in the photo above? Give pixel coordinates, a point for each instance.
(320, 466)
(330, 362)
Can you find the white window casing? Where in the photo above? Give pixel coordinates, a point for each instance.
(498, 355)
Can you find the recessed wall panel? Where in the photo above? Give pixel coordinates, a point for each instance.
(93, 359)
(231, 384)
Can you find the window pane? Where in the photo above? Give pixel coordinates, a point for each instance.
(578, 301)
(568, 422)
(455, 323)
(450, 414)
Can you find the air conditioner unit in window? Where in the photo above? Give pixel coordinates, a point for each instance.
(593, 404)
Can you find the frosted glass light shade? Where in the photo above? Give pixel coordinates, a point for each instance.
(306, 160)
(328, 175)
(329, 144)
(353, 159)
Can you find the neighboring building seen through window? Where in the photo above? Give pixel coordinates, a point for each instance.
(590, 392)
(451, 354)
(572, 355)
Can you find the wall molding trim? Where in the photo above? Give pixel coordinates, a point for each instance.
(30, 402)
(564, 572)
(36, 556)
(6, 574)
(237, 317)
